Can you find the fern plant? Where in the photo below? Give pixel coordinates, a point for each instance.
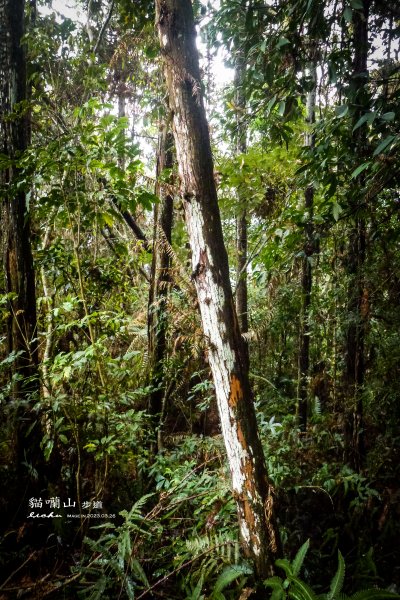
(116, 568)
(293, 587)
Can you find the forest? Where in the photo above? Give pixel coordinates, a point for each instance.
(200, 299)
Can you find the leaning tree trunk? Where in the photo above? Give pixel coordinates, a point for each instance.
(159, 284)
(251, 488)
(15, 228)
(355, 335)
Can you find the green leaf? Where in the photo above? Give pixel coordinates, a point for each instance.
(281, 108)
(284, 564)
(338, 579)
(299, 590)
(336, 210)
(356, 4)
(341, 111)
(137, 569)
(348, 14)
(107, 219)
(283, 41)
(374, 595)
(270, 105)
(389, 116)
(196, 594)
(369, 117)
(278, 593)
(300, 556)
(228, 575)
(359, 170)
(384, 144)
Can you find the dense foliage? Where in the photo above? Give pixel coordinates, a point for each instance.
(318, 101)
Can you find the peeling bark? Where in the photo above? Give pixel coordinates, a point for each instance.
(226, 352)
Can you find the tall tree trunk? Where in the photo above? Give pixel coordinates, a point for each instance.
(15, 226)
(306, 270)
(355, 335)
(251, 488)
(241, 219)
(159, 284)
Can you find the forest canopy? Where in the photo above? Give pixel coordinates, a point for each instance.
(200, 299)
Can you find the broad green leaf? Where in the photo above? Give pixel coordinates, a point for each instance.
(341, 111)
(336, 210)
(356, 4)
(359, 170)
(367, 118)
(384, 144)
(270, 105)
(348, 14)
(389, 116)
(283, 41)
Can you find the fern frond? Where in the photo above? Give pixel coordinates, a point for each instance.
(374, 594)
(299, 590)
(299, 558)
(228, 575)
(138, 571)
(196, 593)
(338, 579)
(274, 582)
(135, 511)
(284, 564)
(215, 543)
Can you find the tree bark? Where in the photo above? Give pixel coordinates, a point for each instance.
(159, 284)
(251, 488)
(15, 226)
(241, 219)
(355, 335)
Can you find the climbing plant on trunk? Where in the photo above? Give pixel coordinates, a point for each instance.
(251, 488)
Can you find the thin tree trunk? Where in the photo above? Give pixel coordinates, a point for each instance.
(355, 335)
(251, 488)
(49, 339)
(306, 271)
(160, 280)
(241, 219)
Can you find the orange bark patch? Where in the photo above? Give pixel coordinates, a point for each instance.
(235, 393)
(244, 499)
